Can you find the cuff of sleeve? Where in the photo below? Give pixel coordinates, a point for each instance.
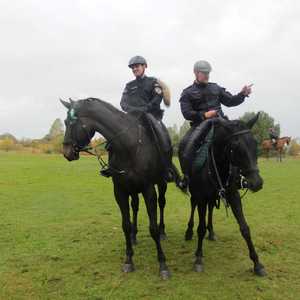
(242, 95)
(202, 116)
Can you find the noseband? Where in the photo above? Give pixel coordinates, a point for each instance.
(228, 144)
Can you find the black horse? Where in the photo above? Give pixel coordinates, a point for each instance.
(232, 152)
(135, 161)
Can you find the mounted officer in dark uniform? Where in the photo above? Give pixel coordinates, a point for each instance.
(200, 103)
(273, 136)
(145, 94)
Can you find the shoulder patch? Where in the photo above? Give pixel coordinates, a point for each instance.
(165, 91)
(158, 90)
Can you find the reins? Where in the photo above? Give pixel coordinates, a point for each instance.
(103, 164)
(221, 188)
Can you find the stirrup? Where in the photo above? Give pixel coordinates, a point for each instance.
(106, 172)
(183, 184)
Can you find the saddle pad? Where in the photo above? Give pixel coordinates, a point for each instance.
(202, 152)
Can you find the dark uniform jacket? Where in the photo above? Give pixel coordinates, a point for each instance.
(200, 98)
(143, 94)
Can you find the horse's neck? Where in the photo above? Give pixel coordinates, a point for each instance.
(117, 127)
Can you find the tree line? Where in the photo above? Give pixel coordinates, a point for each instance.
(52, 142)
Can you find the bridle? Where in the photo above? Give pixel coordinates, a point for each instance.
(221, 188)
(73, 119)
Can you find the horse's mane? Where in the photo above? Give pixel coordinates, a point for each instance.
(95, 100)
(232, 124)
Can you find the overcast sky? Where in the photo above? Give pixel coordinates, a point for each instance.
(52, 49)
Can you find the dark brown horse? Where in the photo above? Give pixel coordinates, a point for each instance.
(267, 146)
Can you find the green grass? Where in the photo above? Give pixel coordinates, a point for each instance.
(60, 238)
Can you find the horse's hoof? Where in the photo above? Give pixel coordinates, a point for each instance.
(198, 268)
(127, 268)
(163, 236)
(188, 235)
(261, 272)
(165, 274)
(211, 237)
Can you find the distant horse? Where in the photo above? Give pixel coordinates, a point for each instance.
(267, 146)
(233, 151)
(135, 160)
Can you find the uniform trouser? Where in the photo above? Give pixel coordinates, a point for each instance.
(191, 143)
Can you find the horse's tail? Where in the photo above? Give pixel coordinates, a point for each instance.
(166, 92)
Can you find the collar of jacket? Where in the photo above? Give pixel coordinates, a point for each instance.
(200, 84)
(140, 78)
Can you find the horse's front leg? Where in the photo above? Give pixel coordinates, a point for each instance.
(151, 204)
(162, 187)
(135, 209)
(122, 199)
(237, 209)
(201, 234)
(211, 233)
(189, 231)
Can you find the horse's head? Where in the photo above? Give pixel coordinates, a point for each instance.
(78, 131)
(241, 148)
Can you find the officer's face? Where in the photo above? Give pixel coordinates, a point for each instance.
(202, 77)
(138, 70)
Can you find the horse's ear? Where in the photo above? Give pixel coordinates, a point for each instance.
(65, 103)
(252, 121)
(71, 101)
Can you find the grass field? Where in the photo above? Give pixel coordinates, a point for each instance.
(60, 238)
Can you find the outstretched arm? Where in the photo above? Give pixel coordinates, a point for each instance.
(229, 100)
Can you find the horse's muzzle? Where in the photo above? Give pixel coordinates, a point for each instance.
(70, 153)
(254, 182)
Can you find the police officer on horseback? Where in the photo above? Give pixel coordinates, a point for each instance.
(143, 96)
(144, 93)
(200, 103)
(273, 136)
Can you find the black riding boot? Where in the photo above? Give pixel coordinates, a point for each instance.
(164, 147)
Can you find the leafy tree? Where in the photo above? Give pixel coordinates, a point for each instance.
(261, 127)
(294, 148)
(184, 128)
(8, 136)
(7, 144)
(57, 129)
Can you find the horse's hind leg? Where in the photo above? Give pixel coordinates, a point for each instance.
(236, 206)
(211, 233)
(135, 209)
(162, 187)
(122, 199)
(151, 204)
(189, 231)
(201, 234)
